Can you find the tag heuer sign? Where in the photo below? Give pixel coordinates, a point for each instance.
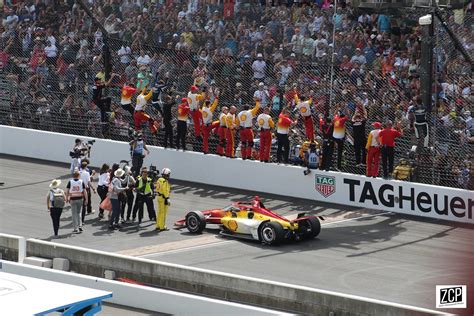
(325, 185)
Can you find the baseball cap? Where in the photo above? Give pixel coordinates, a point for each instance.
(259, 55)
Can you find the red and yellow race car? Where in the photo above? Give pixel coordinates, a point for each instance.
(253, 221)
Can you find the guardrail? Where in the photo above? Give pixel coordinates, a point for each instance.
(218, 285)
(334, 187)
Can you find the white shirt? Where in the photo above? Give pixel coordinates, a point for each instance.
(124, 53)
(143, 61)
(304, 108)
(51, 51)
(263, 121)
(206, 115)
(104, 179)
(52, 40)
(258, 68)
(141, 102)
(85, 177)
(375, 138)
(263, 96)
(193, 101)
(245, 118)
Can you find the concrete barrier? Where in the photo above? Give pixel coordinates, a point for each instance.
(333, 187)
(12, 247)
(152, 299)
(218, 285)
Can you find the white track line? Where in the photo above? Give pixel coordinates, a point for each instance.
(220, 243)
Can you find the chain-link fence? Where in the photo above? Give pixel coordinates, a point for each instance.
(362, 65)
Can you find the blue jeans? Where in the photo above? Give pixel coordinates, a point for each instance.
(114, 219)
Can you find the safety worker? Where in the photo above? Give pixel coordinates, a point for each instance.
(245, 121)
(128, 90)
(144, 188)
(304, 108)
(266, 124)
(373, 151)
(183, 114)
(140, 116)
(283, 128)
(403, 171)
(163, 189)
(231, 124)
(193, 99)
(222, 131)
(207, 124)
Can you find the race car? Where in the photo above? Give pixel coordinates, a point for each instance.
(252, 221)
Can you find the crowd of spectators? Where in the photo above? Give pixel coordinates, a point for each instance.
(335, 54)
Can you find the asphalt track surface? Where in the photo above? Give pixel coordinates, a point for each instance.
(373, 254)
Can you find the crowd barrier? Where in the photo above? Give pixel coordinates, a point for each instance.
(333, 187)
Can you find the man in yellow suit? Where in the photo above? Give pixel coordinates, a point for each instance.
(163, 189)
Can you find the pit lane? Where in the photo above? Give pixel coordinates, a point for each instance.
(372, 254)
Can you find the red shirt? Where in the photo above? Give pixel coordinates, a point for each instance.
(127, 94)
(183, 112)
(387, 137)
(284, 123)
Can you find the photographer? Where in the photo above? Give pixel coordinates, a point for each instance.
(78, 153)
(137, 149)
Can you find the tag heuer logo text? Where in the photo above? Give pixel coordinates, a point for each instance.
(325, 185)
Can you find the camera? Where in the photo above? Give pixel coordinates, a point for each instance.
(75, 154)
(91, 142)
(153, 173)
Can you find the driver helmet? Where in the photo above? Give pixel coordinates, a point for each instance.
(166, 172)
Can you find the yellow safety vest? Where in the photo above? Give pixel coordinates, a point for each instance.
(147, 186)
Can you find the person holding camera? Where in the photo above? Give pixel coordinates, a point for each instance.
(163, 189)
(138, 149)
(78, 153)
(144, 188)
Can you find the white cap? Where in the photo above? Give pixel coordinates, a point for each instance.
(261, 84)
(165, 172)
(259, 55)
(293, 55)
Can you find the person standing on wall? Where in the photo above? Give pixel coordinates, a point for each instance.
(387, 138)
(103, 103)
(373, 151)
(207, 124)
(266, 124)
(327, 128)
(139, 116)
(222, 131)
(116, 189)
(138, 149)
(183, 114)
(304, 108)
(144, 188)
(421, 123)
(76, 195)
(103, 185)
(231, 124)
(168, 104)
(193, 100)
(245, 121)
(163, 189)
(339, 135)
(283, 128)
(358, 128)
(55, 201)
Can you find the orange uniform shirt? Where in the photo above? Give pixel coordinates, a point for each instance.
(183, 112)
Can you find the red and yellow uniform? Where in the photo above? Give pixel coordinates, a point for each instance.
(207, 124)
(284, 123)
(230, 121)
(245, 121)
(222, 133)
(140, 116)
(339, 127)
(127, 94)
(265, 122)
(183, 112)
(182, 125)
(304, 109)
(193, 100)
(373, 151)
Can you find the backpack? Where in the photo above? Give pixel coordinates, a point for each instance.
(58, 199)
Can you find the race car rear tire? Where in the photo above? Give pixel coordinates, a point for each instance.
(312, 227)
(272, 233)
(195, 222)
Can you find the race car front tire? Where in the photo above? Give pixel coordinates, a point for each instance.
(272, 233)
(195, 222)
(311, 226)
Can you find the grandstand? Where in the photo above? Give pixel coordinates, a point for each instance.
(52, 53)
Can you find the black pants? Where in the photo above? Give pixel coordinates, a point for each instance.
(102, 191)
(181, 137)
(87, 207)
(388, 153)
(139, 201)
(340, 148)
(56, 216)
(129, 108)
(283, 147)
(137, 163)
(168, 134)
(359, 145)
(328, 150)
(104, 106)
(422, 129)
(127, 199)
